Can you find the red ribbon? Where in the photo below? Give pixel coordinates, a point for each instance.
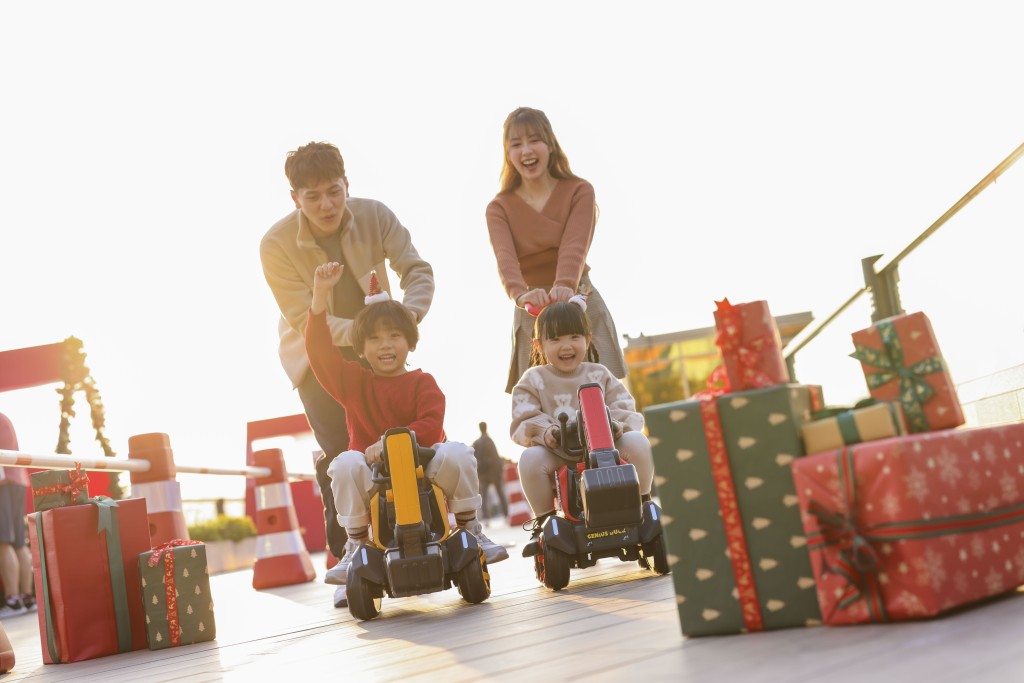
(166, 551)
(747, 354)
(79, 484)
(735, 538)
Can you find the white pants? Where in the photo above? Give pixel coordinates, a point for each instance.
(538, 465)
(453, 468)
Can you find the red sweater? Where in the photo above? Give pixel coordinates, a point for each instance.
(374, 404)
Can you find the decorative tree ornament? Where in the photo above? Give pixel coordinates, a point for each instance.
(376, 295)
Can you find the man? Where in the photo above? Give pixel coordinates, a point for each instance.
(489, 468)
(328, 225)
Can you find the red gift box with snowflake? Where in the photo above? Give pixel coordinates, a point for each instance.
(912, 526)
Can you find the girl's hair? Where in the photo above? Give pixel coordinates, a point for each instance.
(559, 319)
(525, 120)
(392, 315)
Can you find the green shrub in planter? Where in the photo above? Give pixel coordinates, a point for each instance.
(223, 528)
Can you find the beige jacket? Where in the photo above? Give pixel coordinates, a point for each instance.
(370, 233)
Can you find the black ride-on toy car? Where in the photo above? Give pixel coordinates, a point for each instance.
(412, 548)
(599, 510)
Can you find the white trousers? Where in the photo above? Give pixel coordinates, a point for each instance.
(453, 468)
(538, 465)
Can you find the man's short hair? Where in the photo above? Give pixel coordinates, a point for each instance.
(313, 164)
(389, 313)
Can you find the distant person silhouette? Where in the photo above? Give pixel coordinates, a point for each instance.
(489, 467)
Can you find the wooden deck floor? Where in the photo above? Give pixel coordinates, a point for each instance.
(614, 622)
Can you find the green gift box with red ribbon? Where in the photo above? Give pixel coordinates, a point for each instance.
(59, 488)
(732, 526)
(911, 526)
(901, 361)
(175, 583)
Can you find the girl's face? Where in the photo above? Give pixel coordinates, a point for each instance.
(528, 153)
(386, 350)
(565, 353)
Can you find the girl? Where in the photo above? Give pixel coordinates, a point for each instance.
(563, 360)
(541, 225)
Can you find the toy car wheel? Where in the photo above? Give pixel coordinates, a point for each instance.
(364, 597)
(655, 556)
(474, 581)
(556, 568)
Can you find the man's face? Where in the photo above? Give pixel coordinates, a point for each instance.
(323, 205)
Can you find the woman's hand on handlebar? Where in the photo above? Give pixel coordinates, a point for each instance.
(538, 297)
(552, 437)
(560, 293)
(374, 452)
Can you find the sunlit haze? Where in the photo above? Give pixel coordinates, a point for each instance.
(749, 150)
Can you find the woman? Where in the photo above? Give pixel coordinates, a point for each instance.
(541, 224)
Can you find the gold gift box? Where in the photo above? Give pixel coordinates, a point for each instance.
(878, 421)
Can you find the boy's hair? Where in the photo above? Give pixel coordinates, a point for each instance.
(312, 164)
(392, 315)
(558, 319)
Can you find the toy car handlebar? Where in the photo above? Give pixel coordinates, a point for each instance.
(532, 309)
(565, 430)
(379, 475)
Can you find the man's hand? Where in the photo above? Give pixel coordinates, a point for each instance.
(374, 452)
(551, 435)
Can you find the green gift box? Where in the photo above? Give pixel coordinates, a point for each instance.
(58, 488)
(176, 594)
(732, 524)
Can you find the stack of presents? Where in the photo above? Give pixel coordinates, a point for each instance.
(101, 588)
(780, 511)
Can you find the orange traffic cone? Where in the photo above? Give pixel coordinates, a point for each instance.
(158, 487)
(281, 555)
(518, 508)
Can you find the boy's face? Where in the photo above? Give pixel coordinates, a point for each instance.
(386, 350)
(323, 204)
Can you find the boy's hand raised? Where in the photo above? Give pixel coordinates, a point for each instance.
(327, 275)
(324, 279)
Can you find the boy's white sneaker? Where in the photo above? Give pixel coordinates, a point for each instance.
(492, 551)
(338, 574)
(341, 596)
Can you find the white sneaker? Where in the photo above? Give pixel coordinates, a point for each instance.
(341, 596)
(492, 551)
(338, 574)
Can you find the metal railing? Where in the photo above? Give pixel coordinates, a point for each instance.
(882, 280)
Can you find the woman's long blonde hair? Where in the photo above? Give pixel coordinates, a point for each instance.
(532, 121)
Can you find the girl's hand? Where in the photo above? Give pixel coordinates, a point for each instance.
(551, 439)
(327, 275)
(538, 297)
(616, 430)
(374, 452)
(560, 293)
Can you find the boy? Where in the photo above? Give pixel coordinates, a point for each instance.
(328, 225)
(375, 400)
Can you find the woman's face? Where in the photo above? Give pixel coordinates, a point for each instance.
(528, 154)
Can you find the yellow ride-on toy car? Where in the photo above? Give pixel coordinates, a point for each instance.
(412, 548)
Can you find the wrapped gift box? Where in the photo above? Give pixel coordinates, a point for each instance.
(751, 348)
(878, 421)
(902, 362)
(732, 525)
(58, 488)
(911, 526)
(89, 605)
(176, 594)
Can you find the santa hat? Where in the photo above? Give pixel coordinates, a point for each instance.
(376, 294)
